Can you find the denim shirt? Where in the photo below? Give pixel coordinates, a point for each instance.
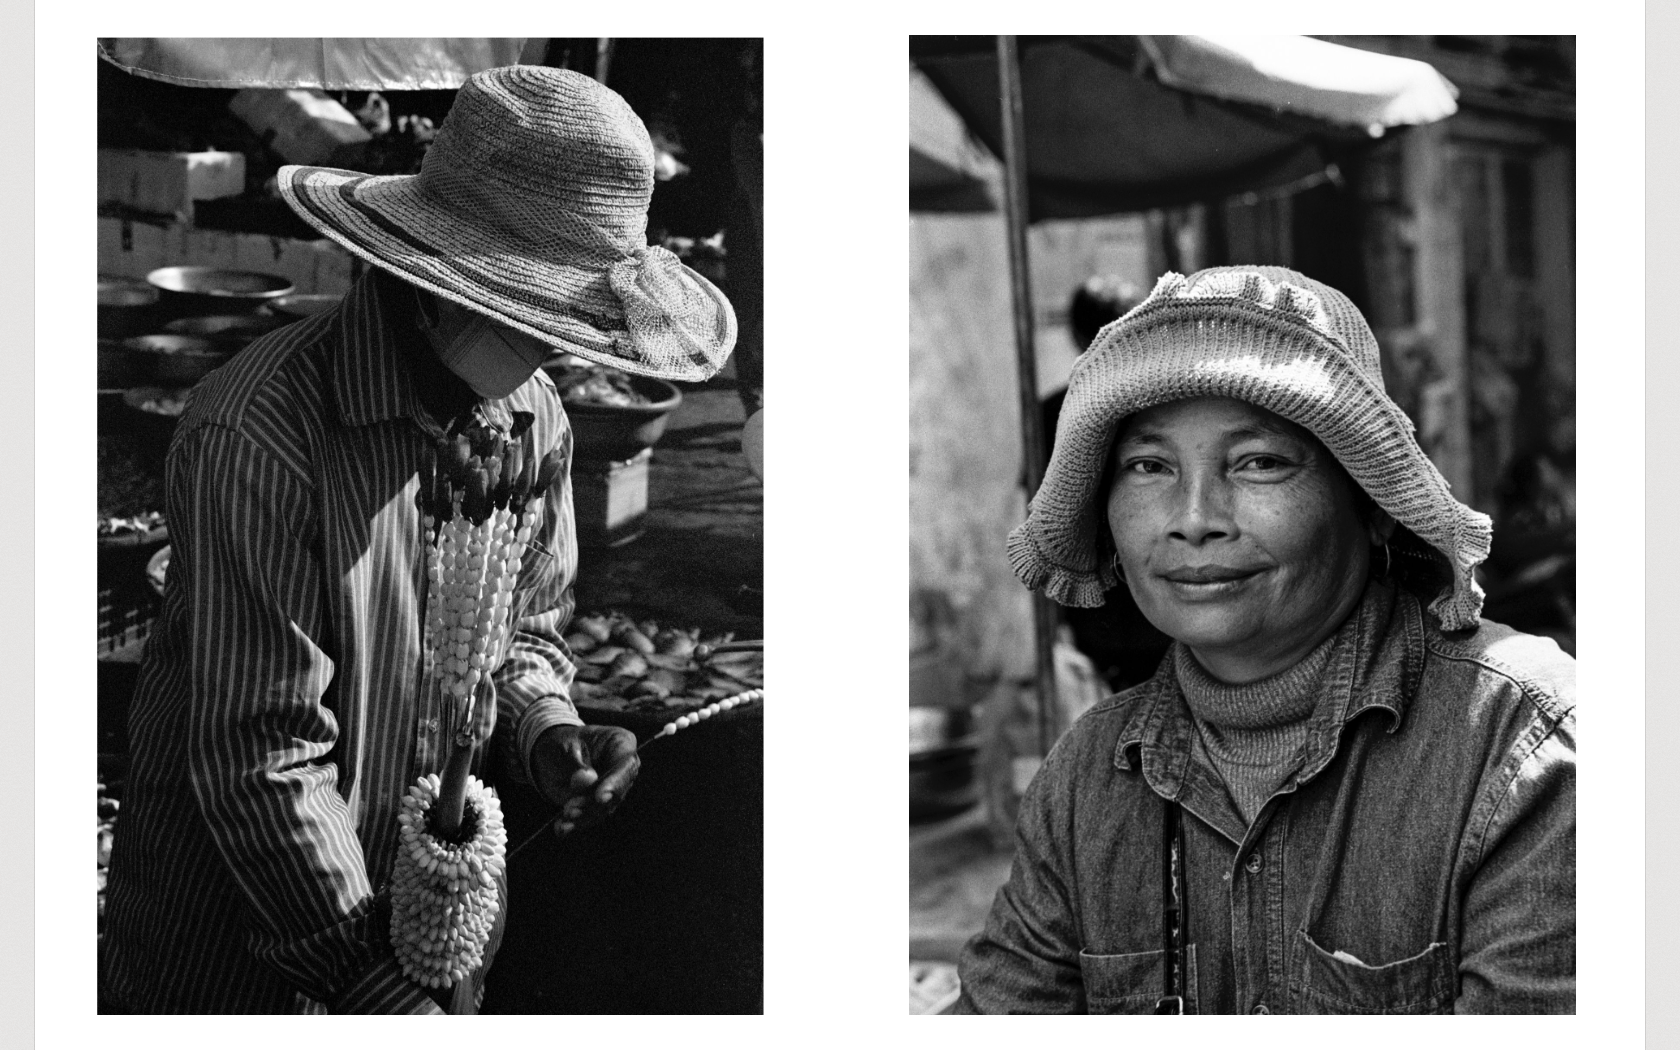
(1422, 860)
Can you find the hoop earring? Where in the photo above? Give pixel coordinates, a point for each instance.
(1388, 562)
(1119, 570)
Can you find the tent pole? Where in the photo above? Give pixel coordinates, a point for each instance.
(603, 57)
(1032, 419)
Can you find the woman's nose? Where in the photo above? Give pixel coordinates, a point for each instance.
(1204, 509)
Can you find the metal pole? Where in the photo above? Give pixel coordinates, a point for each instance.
(1026, 360)
(603, 57)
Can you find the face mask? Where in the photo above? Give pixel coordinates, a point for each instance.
(492, 359)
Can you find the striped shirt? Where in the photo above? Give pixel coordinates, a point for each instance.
(280, 712)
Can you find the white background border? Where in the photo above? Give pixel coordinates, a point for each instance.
(836, 534)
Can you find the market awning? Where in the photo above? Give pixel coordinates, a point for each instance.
(1313, 78)
(1127, 123)
(949, 169)
(331, 64)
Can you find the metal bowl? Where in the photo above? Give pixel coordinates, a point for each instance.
(125, 307)
(179, 360)
(189, 290)
(940, 728)
(120, 367)
(617, 432)
(153, 412)
(157, 569)
(229, 331)
(305, 304)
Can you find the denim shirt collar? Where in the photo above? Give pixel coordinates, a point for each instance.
(1375, 664)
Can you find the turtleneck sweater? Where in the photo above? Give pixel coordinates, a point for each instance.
(1252, 734)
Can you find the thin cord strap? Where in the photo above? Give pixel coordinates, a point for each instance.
(1173, 899)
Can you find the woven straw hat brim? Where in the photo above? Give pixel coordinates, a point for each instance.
(1176, 351)
(566, 300)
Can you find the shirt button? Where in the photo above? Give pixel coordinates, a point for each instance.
(1259, 1008)
(1253, 864)
(430, 725)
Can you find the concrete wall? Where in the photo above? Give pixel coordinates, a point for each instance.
(965, 439)
(965, 449)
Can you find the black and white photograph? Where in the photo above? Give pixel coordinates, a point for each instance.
(430, 670)
(1266, 427)
(1243, 524)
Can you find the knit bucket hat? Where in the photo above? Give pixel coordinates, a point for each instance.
(1273, 338)
(531, 208)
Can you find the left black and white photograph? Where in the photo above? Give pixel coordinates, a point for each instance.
(431, 525)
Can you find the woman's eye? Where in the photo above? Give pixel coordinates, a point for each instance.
(1145, 466)
(1264, 463)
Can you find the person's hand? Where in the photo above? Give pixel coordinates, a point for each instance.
(585, 770)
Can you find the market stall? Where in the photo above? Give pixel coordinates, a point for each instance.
(1092, 126)
(198, 258)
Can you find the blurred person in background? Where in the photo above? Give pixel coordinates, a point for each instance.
(1123, 646)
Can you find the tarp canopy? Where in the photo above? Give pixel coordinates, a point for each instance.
(949, 169)
(331, 64)
(1127, 123)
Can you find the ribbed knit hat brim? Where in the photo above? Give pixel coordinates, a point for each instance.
(1266, 336)
(531, 208)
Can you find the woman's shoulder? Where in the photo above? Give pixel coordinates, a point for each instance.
(1114, 710)
(1507, 660)
(270, 386)
(1100, 730)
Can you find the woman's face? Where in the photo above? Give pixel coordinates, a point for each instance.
(1239, 533)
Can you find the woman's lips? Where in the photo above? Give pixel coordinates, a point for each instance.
(1207, 574)
(1207, 581)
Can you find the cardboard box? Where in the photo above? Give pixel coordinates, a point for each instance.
(168, 183)
(610, 500)
(134, 249)
(303, 126)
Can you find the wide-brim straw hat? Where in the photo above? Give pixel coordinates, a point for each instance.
(531, 208)
(1273, 338)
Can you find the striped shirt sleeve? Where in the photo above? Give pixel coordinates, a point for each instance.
(259, 728)
(382, 988)
(533, 684)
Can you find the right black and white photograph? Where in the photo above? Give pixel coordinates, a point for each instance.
(1242, 524)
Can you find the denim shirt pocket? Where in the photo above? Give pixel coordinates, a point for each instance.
(1325, 984)
(1131, 984)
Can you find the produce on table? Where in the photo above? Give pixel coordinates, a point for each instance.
(130, 525)
(623, 664)
(107, 826)
(130, 486)
(597, 385)
(168, 405)
(479, 506)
